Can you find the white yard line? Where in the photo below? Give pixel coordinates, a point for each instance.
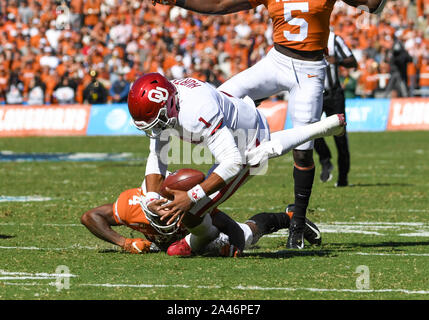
(335, 290)
(241, 288)
(80, 247)
(8, 275)
(390, 254)
(77, 246)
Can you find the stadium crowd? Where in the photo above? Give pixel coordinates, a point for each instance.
(90, 51)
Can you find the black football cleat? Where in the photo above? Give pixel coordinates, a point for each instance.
(311, 232)
(296, 236)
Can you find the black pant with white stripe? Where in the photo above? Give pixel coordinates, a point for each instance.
(334, 102)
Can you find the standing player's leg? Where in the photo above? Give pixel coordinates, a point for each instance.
(265, 78)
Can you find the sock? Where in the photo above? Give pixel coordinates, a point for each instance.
(227, 225)
(202, 234)
(303, 185)
(268, 222)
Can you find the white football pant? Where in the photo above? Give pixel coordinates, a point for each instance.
(304, 80)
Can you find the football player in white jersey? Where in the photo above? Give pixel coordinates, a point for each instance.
(235, 132)
(295, 64)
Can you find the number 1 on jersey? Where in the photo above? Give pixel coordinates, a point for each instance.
(303, 25)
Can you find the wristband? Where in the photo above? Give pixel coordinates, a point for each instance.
(196, 193)
(151, 196)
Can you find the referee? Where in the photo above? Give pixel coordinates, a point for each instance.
(334, 102)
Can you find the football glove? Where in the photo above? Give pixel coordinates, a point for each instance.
(137, 245)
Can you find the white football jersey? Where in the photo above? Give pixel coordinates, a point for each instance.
(228, 126)
(204, 109)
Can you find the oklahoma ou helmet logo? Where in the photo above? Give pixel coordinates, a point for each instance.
(158, 95)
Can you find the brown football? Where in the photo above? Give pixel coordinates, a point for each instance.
(183, 179)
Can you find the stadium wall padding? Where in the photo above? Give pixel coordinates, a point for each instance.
(114, 119)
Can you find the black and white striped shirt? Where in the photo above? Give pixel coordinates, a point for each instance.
(338, 48)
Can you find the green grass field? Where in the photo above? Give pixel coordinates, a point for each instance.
(380, 223)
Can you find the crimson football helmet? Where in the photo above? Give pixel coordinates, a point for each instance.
(153, 103)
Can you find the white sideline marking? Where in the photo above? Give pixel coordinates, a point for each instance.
(402, 229)
(390, 254)
(7, 275)
(23, 198)
(336, 290)
(42, 224)
(114, 248)
(42, 274)
(242, 288)
(416, 229)
(76, 246)
(120, 285)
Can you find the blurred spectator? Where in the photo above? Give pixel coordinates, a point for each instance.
(348, 83)
(119, 89)
(95, 92)
(49, 59)
(424, 77)
(112, 35)
(36, 92)
(65, 91)
(91, 11)
(25, 12)
(120, 33)
(14, 90)
(398, 70)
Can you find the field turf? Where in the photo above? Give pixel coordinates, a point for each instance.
(375, 232)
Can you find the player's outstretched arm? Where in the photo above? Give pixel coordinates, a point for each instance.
(100, 221)
(209, 6)
(372, 6)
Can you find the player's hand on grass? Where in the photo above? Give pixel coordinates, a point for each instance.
(181, 204)
(137, 245)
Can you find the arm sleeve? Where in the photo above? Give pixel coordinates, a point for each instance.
(157, 159)
(224, 149)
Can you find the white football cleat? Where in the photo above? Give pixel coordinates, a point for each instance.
(334, 125)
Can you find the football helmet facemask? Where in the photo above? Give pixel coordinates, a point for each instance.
(153, 104)
(157, 224)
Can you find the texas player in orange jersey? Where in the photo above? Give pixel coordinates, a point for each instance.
(295, 64)
(129, 210)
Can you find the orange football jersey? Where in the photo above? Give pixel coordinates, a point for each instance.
(128, 211)
(299, 24)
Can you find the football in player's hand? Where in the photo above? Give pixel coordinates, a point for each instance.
(183, 179)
